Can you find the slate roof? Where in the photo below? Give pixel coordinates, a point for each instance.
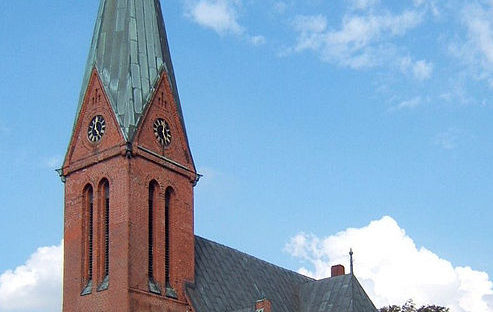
(232, 281)
(336, 294)
(229, 280)
(130, 50)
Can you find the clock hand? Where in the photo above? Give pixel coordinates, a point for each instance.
(96, 128)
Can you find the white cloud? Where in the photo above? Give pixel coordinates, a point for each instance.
(222, 17)
(361, 41)
(476, 48)
(408, 104)
(431, 5)
(479, 22)
(219, 15)
(280, 7)
(257, 40)
(54, 162)
(35, 285)
(214, 183)
(363, 4)
(393, 269)
(421, 70)
(310, 24)
(448, 139)
(457, 92)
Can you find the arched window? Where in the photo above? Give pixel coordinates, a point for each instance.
(168, 209)
(104, 234)
(87, 239)
(153, 195)
(150, 266)
(167, 203)
(106, 228)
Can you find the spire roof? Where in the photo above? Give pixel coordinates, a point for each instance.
(130, 50)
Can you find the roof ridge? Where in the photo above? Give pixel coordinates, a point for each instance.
(351, 303)
(310, 279)
(314, 280)
(355, 282)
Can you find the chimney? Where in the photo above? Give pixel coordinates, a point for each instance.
(337, 270)
(262, 305)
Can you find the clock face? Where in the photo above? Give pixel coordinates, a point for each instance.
(96, 129)
(162, 132)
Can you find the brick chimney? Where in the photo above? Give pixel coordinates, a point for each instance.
(337, 270)
(262, 305)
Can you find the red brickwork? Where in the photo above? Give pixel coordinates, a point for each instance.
(263, 305)
(129, 178)
(164, 106)
(82, 152)
(337, 270)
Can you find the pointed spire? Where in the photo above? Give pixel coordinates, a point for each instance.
(130, 51)
(351, 260)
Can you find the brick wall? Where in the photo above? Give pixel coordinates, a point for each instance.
(129, 178)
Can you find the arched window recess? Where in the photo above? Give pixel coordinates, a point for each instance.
(170, 292)
(104, 234)
(152, 211)
(87, 239)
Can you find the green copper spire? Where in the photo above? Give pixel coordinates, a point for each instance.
(130, 51)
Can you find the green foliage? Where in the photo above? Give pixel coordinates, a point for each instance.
(392, 308)
(433, 308)
(410, 306)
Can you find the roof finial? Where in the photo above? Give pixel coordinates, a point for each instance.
(351, 259)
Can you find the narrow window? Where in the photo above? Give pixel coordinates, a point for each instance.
(167, 200)
(153, 193)
(106, 229)
(150, 267)
(168, 196)
(91, 236)
(88, 239)
(104, 234)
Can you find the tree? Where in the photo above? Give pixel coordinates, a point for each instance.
(410, 306)
(392, 308)
(433, 308)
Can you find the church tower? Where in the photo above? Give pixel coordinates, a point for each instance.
(128, 172)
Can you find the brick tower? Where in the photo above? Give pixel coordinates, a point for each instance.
(129, 173)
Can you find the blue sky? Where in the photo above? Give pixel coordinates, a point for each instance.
(309, 120)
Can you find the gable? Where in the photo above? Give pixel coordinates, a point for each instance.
(95, 103)
(361, 301)
(163, 106)
(336, 294)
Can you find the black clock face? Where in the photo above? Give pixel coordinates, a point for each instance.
(162, 132)
(96, 129)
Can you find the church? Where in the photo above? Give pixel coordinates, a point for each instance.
(129, 174)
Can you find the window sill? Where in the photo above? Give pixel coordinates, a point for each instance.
(88, 289)
(105, 284)
(154, 288)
